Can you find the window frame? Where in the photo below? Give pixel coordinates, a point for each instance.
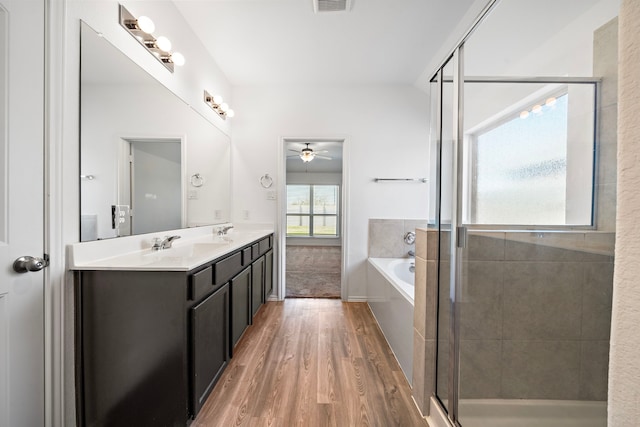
(311, 214)
(470, 141)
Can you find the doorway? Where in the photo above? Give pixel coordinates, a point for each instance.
(151, 186)
(312, 218)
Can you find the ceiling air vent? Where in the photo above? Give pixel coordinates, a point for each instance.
(331, 5)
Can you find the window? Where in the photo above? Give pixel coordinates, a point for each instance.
(524, 169)
(312, 210)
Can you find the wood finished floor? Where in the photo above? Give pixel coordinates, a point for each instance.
(312, 362)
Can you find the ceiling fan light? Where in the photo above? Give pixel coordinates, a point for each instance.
(307, 156)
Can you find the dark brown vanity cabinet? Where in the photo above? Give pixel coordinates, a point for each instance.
(209, 344)
(268, 274)
(131, 348)
(241, 304)
(257, 285)
(151, 345)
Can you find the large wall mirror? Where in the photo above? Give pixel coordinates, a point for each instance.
(148, 162)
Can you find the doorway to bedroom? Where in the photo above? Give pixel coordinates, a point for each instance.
(313, 249)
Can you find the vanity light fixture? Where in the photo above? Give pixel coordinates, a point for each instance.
(217, 104)
(537, 109)
(141, 29)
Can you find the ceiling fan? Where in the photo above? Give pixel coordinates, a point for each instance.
(307, 154)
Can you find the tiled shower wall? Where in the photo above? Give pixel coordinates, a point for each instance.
(386, 237)
(535, 315)
(605, 66)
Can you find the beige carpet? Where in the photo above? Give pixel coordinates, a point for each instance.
(313, 271)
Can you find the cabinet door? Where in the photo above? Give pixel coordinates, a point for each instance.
(240, 304)
(132, 350)
(268, 274)
(257, 283)
(209, 345)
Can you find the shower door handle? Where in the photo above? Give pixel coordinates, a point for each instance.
(461, 233)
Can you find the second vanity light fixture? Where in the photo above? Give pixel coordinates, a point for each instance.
(218, 105)
(142, 29)
(537, 109)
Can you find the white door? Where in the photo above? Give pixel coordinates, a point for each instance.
(21, 212)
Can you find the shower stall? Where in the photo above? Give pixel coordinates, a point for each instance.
(523, 153)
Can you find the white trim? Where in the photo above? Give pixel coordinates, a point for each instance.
(54, 275)
(281, 218)
(344, 207)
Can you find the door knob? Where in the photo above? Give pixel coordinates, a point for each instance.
(25, 264)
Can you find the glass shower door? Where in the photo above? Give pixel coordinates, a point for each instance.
(443, 114)
(531, 346)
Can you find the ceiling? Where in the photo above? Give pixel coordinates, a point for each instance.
(283, 42)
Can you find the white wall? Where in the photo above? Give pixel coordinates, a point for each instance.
(624, 363)
(386, 135)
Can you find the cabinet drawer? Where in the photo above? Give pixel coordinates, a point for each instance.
(264, 245)
(255, 251)
(227, 268)
(201, 283)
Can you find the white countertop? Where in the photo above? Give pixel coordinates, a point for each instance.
(196, 246)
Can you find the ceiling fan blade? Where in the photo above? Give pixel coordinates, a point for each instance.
(324, 157)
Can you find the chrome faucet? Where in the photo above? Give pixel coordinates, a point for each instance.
(165, 243)
(411, 254)
(222, 231)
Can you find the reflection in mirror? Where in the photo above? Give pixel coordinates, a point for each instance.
(139, 147)
(3, 124)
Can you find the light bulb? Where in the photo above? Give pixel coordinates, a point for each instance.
(146, 25)
(224, 107)
(550, 102)
(537, 109)
(178, 59)
(524, 114)
(230, 113)
(163, 43)
(307, 156)
(217, 99)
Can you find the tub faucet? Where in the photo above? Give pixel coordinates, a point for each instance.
(165, 243)
(411, 254)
